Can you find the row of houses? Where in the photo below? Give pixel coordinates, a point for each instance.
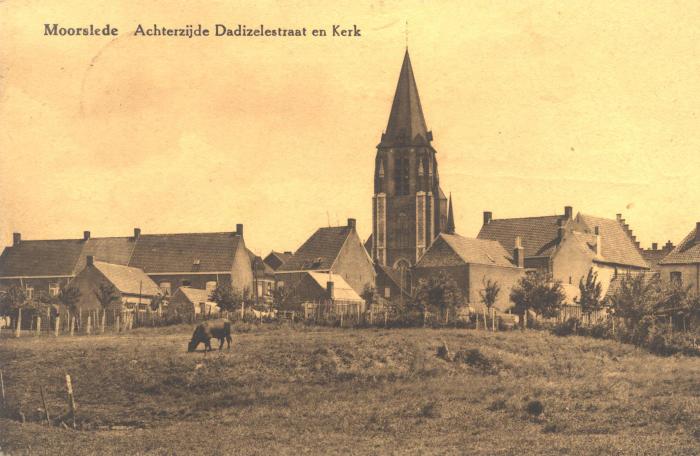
(333, 265)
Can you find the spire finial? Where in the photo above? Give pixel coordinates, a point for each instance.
(406, 34)
(450, 228)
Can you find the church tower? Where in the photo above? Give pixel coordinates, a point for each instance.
(408, 207)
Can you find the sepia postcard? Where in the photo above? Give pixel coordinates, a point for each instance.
(355, 227)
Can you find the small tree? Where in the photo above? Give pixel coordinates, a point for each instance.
(11, 301)
(636, 297)
(489, 294)
(226, 297)
(590, 294)
(106, 294)
(539, 293)
(439, 293)
(69, 297)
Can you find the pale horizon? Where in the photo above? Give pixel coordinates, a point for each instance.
(532, 108)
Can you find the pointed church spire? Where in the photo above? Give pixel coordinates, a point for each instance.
(406, 125)
(450, 228)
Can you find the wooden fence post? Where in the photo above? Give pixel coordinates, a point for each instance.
(117, 326)
(46, 408)
(38, 326)
(71, 398)
(57, 325)
(88, 326)
(72, 325)
(104, 320)
(2, 388)
(386, 316)
(18, 327)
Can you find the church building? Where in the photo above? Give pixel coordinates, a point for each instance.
(409, 209)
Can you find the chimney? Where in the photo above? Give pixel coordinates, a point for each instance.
(86, 235)
(329, 289)
(654, 246)
(352, 223)
(568, 212)
(697, 231)
(519, 253)
(560, 229)
(137, 233)
(239, 229)
(598, 242)
(89, 260)
(487, 217)
(16, 239)
(618, 217)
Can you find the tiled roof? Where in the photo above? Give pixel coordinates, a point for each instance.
(319, 251)
(688, 251)
(654, 257)
(115, 250)
(186, 252)
(195, 295)
(41, 258)
(283, 256)
(461, 250)
(153, 253)
(617, 247)
(341, 290)
(128, 280)
(538, 234)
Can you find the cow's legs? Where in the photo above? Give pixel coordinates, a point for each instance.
(228, 340)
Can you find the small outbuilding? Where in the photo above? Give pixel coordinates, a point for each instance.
(188, 302)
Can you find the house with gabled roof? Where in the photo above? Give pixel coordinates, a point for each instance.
(471, 262)
(338, 250)
(201, 260)
(567, 247)
(682, 264)
(190, 302)
(134, 288)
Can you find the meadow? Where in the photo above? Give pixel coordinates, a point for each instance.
(301, 390)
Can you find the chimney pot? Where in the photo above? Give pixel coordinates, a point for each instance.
(90, 260)
(487, 217)
(598, 242)
(137, 233)
(654, 246)
(239, 229)
(86, 235)
(618, 217)
(352, 223)
(329, 289)
(16, 238)
(596, 230)
(568, 212)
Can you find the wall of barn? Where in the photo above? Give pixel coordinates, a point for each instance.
(354, 264)
(507, 278)
(690, 274)
(305, 289)
(460, 274)
(88, 281)
(242, 269)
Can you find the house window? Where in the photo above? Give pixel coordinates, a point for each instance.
(387, 292)
(29, 292)
(186, 283)
(676, 278)
(165, 288)
(210, 286)
(54, 289)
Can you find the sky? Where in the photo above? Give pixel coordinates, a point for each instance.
(533, 106)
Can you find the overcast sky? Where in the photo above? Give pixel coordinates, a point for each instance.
(532, 107)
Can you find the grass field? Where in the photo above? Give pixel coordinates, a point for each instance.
(287, 390)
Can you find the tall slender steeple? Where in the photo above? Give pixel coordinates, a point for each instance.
(450, 228)
(408, 207)
(406, 126)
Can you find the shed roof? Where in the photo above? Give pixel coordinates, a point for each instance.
(127, 279)
(341, 290)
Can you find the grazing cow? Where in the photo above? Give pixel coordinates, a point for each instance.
(203, 333)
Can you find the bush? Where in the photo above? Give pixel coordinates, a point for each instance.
(477, 360)
(566, 328)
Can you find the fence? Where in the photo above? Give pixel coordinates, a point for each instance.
(97, 321)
